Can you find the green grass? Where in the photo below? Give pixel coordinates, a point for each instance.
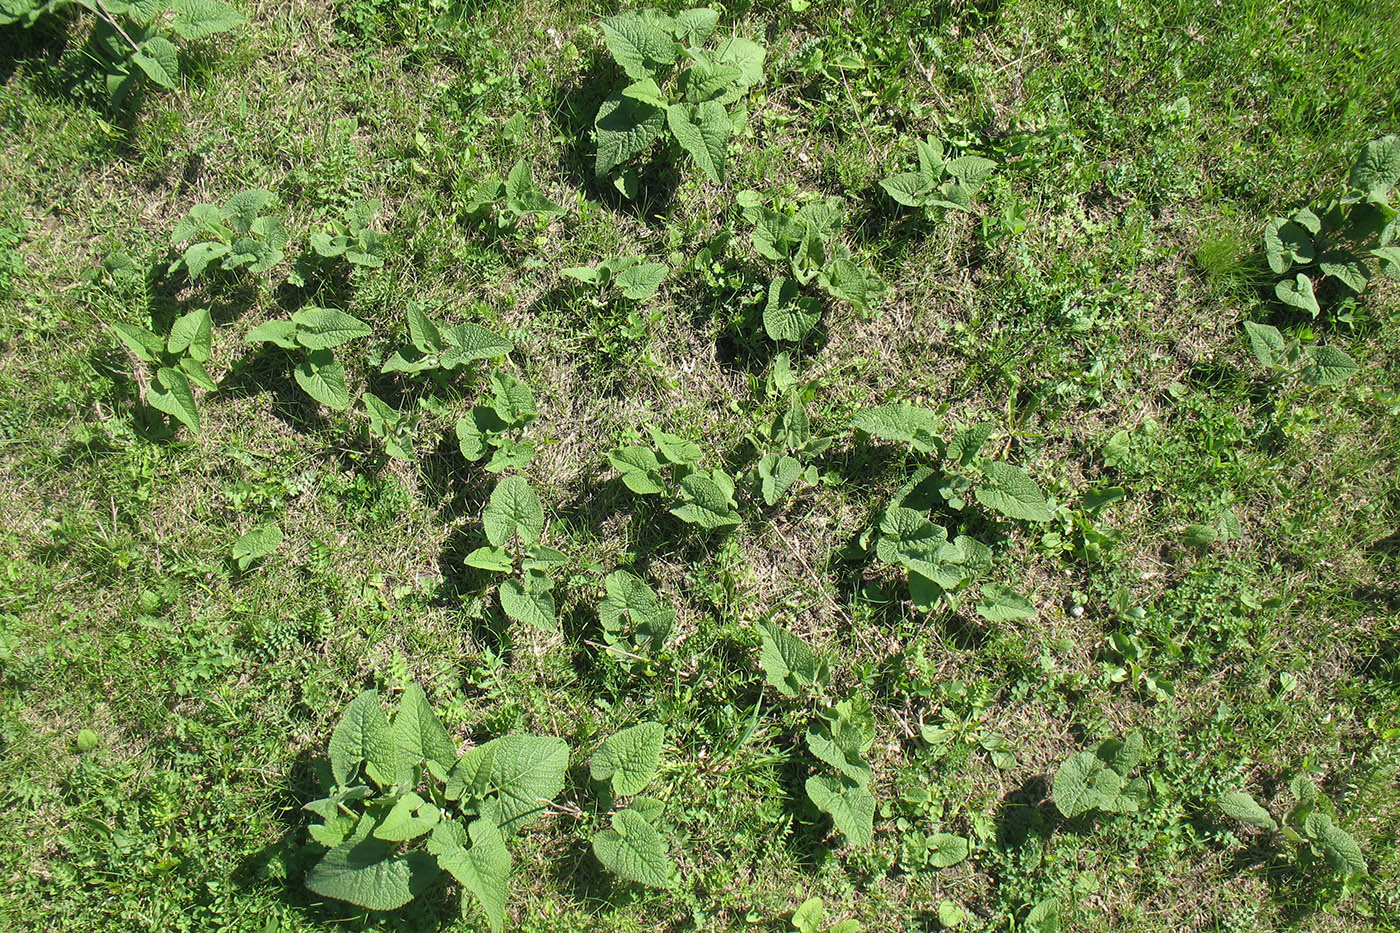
(1142, 143)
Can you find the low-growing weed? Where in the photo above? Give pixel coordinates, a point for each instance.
(702, 497)
(941, 184)
(178, 360)
(513, 521)
(623, 766)
(311, 333)
(1308, 824)
(236, 235)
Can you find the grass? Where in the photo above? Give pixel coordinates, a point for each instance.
(1142, 146)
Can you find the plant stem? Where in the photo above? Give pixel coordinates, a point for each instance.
(97, 7)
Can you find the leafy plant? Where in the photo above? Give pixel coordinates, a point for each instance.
(235, 236)
(679, 91)
(178, 360)
(904, 535)
(702, 497)
(963, 722)
(1338, 238)
(132, 40)
(401, 807)
(514, 521)
(941, 183)
(807, 918)
(498, 429)
(507, 203)
(435, 347)
(627, 277)
(807, 240)
(350, 238)
(635, 626)
(1098, 779)
(1315, 365)
(623, 767)
(838, 737)
(1308, 824)
(312, 333)
(392, 427)
(787, 447)
(256, 544)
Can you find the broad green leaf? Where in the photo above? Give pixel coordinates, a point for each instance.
(629, 759)
(514, 403)
(192, 333)
(907, 535)
(197, 374)
(418, 734)
(522, 773)
(1390, 256)
(705, 503)
(852, 808)
(198, 257)
(523, 197)
(631, 607)
(846, 281)
(324, 328)
(788, 315)
(1347, 268)
(777, 475)
(947, 850)
(930, 156)
(196, 19)
(1247, 810)
(674, 448)
(902, 422)
(365, 872)
(747, 55)
(363, 735)
(1377, 168)
(694, 26)
(1266, 343)
(1008, 490)
(1083, 783)
(468, 342)
(648, 92)
(1328, 366)
(966, 445)
(841, 745)
(476, 432)
(1298, 293)
(908, 188)
(788, 662)
(639, 468)
(160, 61)
(1337, 845)
(1122, 755)
(422, 331)
(279, 332)
(1044, 917)
(703, 132)
(971, 171)
(640, 282)
(807, 918)
(410, 817)
(707, 80)
(322, 377)
(243, 208)
(170, 393)
(531, 606)
(483, 869)
(147, 346)
(641, 48)
(257, 543)
(625, 127)
(1003, 604)
(513, 512)
(490, 558)
(634, 850)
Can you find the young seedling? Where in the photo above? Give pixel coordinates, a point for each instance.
(178, 360)
(624, 766)
(513, 521)
(1308, 824)
(507, 203)
(394, 429)
(678, 91)
(941, 184)
(401, 807)
(628, 278)
(235, 236)
(351, 238)
(807, 241)
(1314, 365)
(499, 428)
(635, 626)
(1098, 779)
(786, 448)
(437, 348)
(702, 497)
(311, 333)
(807, 918)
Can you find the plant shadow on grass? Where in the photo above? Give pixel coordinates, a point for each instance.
(268, 369)
(572, 109)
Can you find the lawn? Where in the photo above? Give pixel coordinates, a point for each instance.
(924, 457)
